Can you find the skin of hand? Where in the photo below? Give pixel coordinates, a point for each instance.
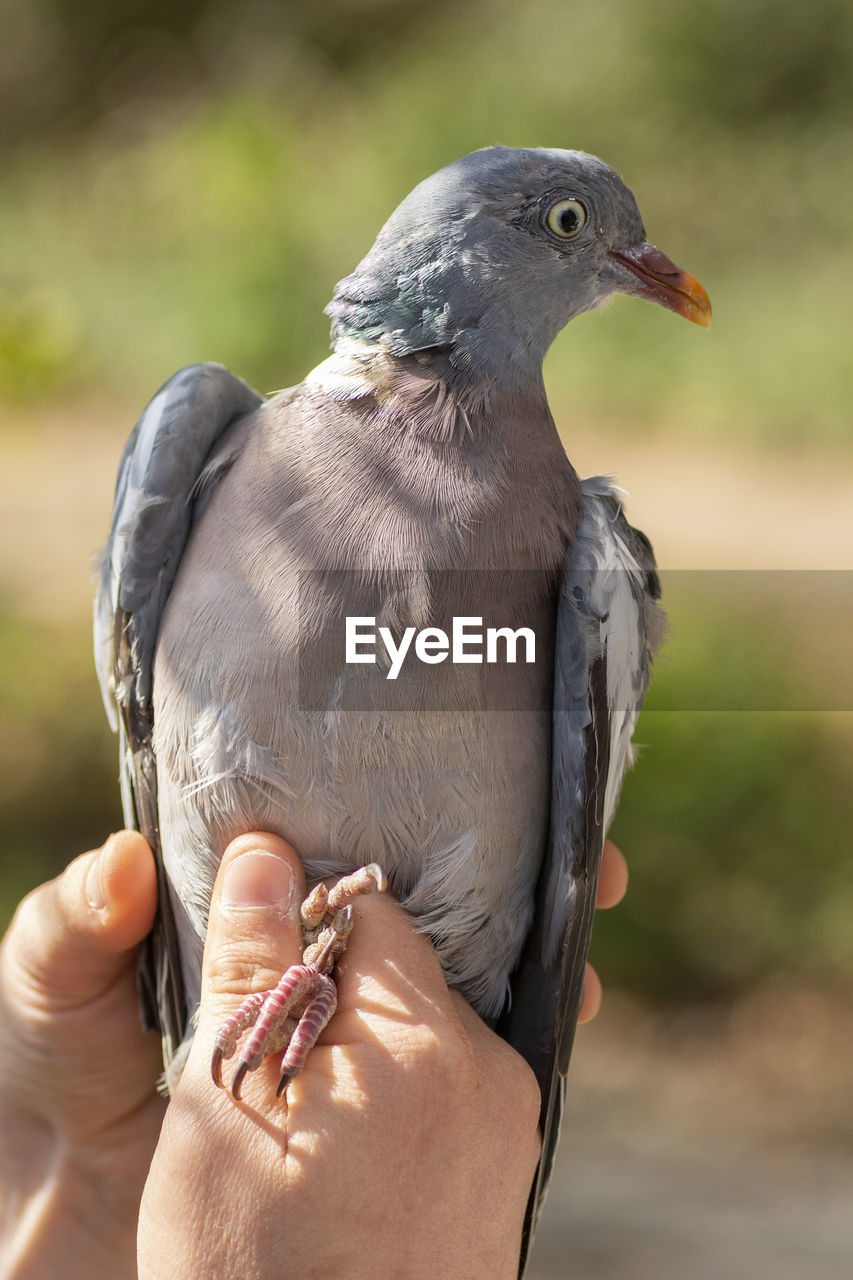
(79, 1113)
(409, 1117)
(612, 887)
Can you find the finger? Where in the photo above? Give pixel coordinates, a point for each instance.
(591, 995)
(121, 891)
(71, 937)
(613, 878)
(255, 930)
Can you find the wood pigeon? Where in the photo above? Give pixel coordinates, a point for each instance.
(287, 579)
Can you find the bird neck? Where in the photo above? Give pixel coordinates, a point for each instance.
(489, 326)
(440, 394)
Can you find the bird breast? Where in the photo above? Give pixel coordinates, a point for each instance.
(442, 775)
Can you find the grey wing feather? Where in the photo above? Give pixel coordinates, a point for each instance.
(608, 627)
(165, 478)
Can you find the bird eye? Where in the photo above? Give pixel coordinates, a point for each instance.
(566, 218)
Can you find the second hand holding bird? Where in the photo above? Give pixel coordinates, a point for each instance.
(409, 1112)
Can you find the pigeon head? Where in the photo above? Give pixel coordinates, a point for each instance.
(491, 257)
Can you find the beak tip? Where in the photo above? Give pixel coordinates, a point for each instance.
(704, 317)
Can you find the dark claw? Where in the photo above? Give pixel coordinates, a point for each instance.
(216, 1067)
(237, 1082)
(286, 1077)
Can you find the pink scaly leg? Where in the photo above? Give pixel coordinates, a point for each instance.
(228, 1035)
(301, 988)
(316, 1017)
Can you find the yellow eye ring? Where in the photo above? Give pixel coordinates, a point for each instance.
(566, 219)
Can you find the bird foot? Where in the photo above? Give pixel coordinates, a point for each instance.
(289, 1017)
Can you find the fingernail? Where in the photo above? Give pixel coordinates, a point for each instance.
(95, 895)
(257, 879)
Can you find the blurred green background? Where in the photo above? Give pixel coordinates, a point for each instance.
(188, 182)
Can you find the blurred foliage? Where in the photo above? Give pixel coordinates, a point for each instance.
(64, 67)
(749, 64)
(188, 182)
(238, 160)
(737, 825)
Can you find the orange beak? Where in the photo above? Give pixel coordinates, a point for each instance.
(658, 278)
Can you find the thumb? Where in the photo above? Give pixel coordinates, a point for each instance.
(71, 937)
(206, 1153)
(255, 930)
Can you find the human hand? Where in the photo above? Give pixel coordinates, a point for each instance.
(79, 1116)
(409, 1117)
(79, 1111)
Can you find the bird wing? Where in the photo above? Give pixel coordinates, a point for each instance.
(180, 449)
(608, 627)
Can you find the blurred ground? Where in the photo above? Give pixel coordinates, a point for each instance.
(56, 490)
(707, 1143)
(709, 505)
